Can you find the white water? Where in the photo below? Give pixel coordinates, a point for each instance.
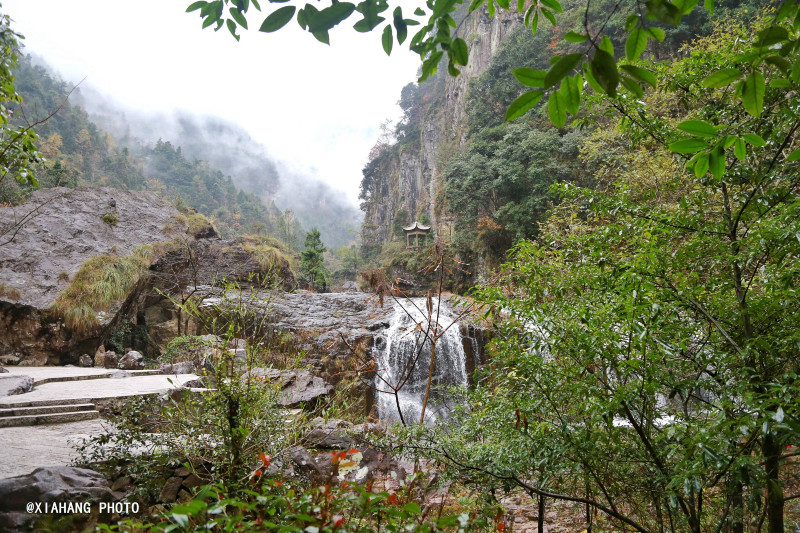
(395, 352)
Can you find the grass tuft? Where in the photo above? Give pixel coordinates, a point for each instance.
(101, 281)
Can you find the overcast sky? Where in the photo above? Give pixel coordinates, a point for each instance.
(317, 108)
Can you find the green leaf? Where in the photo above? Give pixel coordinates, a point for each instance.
(238, 17)
(523, 104)
(754, 139)
(195, 6)
(549, 16)
(780, 62)
(387, 40)
(277, 19)
(716, 162)
(460, 51)
(530, 77)
(322, 21)
(701, 164)
(771, 35)
(688, 145)
(490, 8)
(780, 83)
(607, 46)
(739, 149)
(641, 74)
(632, 86)
(371, 10)
(794, 156)
(663, 11)
(557, 109)
(709, 5)
(231, 28)
(419, 12)
(505, 4)
(698, 128)
(322, 36)
(631, 21)
(604, 70)
(656, 33)
(535, 22)
(412, 508)
(753, 93)
(721, 78)
(636, 44)
(552, 4)
(587, 73)
(574, 37)
(400, 25)
(561, 68)
(729, 140)
(521, 6)
(571, 89)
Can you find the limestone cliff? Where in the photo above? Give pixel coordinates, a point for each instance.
(405, 184)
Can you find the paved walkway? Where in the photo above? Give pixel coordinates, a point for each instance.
(92, 389)
(27, 448)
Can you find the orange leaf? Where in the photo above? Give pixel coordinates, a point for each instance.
(352, 451)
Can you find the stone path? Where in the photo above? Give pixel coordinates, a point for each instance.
(29, 447)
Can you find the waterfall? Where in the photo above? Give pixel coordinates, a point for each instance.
(397, 348)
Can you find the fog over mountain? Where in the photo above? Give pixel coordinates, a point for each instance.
(230, 148)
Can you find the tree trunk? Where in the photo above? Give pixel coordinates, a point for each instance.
(772, 453)
(540, 520)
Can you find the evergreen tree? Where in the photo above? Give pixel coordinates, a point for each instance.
(312, 267)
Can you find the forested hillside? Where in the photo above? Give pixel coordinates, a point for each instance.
(483, 182)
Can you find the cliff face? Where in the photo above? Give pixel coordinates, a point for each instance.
(406, 184)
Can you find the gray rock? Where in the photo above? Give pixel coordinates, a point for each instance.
(298, 386)
(105, 360)
(9, 360)
(53, 484)
(85, 360)
(348, 286)
(3, 370)
(131, 361)
(169, 493)
(119, 374)
(332, 434)
(306, 464)
(184, 367)
(12, 384)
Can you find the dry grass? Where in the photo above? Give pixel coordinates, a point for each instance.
(101, 281)
(9, 293)
(198, 223)
(269, 252)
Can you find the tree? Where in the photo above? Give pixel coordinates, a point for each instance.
(646, 362)
(312, 266)
(17, 143)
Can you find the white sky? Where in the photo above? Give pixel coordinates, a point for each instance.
(317, 108)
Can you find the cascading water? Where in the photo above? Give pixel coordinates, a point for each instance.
(402, 358)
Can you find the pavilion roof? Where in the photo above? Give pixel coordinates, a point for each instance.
(416, 226)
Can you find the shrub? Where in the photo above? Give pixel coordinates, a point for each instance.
(111, 218)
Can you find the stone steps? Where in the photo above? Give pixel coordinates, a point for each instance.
(50, 414)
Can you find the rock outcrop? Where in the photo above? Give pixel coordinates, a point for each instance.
(45, 241)
(48, 486)
(12, 384)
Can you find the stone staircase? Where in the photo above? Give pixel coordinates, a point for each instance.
(46, 412)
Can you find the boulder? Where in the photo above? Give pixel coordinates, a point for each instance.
(332, 434)
(105, 360)
(349, 286)
(3, 370)
(12, 384)
(85, 360)
(9, 360)
(297, 386)
(131, 361)
(48, 485)
(184, 367)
